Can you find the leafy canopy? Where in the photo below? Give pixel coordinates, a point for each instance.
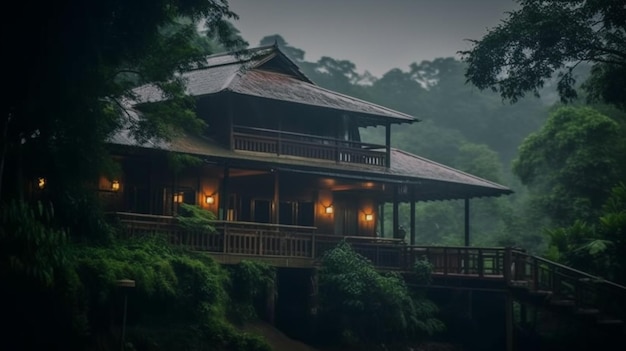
(572, 162)
(360, 304)
(547, 37)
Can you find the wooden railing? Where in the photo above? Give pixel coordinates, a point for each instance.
(261, 239)
(308, 146)
(513, 267)
(585, 291)
(471, 261)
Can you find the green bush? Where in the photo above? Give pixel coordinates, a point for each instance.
(361, 305)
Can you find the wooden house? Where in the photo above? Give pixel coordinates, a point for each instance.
(284, 169)
(283, 165)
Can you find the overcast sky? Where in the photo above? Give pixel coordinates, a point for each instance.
(376, 35)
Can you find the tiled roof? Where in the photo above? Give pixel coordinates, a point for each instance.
(244, 74)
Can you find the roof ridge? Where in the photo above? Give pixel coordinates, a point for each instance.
(236, 54)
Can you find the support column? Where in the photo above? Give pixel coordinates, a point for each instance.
(313, 302)
(276, 202)
(467, 222)
(388, 144)
(412, 235)
(224, 195)
(395, 211)
(381, 218)
(508, 313)
(270, 302)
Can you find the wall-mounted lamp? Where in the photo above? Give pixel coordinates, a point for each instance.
(115, 185)
(41, 182)
(369, 217)
(209, 199)
(328, 209)
(178, 198)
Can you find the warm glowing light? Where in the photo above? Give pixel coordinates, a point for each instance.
(115, 185)
(210, 199)
(369, 217)
(329, 209)
(41, 183)
(178, 198)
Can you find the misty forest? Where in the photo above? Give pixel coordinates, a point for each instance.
(537, 105)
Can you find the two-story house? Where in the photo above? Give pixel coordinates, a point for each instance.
(283, 165)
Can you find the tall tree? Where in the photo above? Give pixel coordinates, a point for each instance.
(547, 37)
(73, 63)
(572, 163)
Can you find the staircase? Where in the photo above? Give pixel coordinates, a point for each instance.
(567, 291)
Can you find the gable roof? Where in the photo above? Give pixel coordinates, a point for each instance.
(267, 73)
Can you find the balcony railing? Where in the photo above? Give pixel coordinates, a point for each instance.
(262, 239)
(308, 146)
(506, 265)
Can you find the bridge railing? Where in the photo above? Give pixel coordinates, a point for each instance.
(449, 260)
(510, 265)
(585, 290)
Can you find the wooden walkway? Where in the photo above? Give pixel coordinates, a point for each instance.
(527, 277)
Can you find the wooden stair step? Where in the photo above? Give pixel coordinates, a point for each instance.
(609, 321)
(587, 311)
(519, 283)
(563, 303)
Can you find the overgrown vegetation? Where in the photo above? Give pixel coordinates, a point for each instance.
(195, 218)
(68, 292)
(361, 305)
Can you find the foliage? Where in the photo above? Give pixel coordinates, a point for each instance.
(250, 282)
(423, 270)
(571, 163)
(196, 218)
(62, 110)
(187, 295)
(359, 304)
(31, 245)
(180, 162)
(598, 247)
(542, 38)
(41, 291)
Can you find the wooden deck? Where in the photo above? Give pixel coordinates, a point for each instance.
(528, 277)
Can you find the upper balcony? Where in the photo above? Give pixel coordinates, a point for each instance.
(309, 146)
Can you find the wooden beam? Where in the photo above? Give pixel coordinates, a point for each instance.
(231, 122)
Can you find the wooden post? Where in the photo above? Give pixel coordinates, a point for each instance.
(395, 211)
(506, 270)
(313, 302)
(412, 231)
(276, 202)
(223, 205)
(270, 302)
(388, 145)
(467, 222)
(508, 315)
(381, 218)
(231, 122)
